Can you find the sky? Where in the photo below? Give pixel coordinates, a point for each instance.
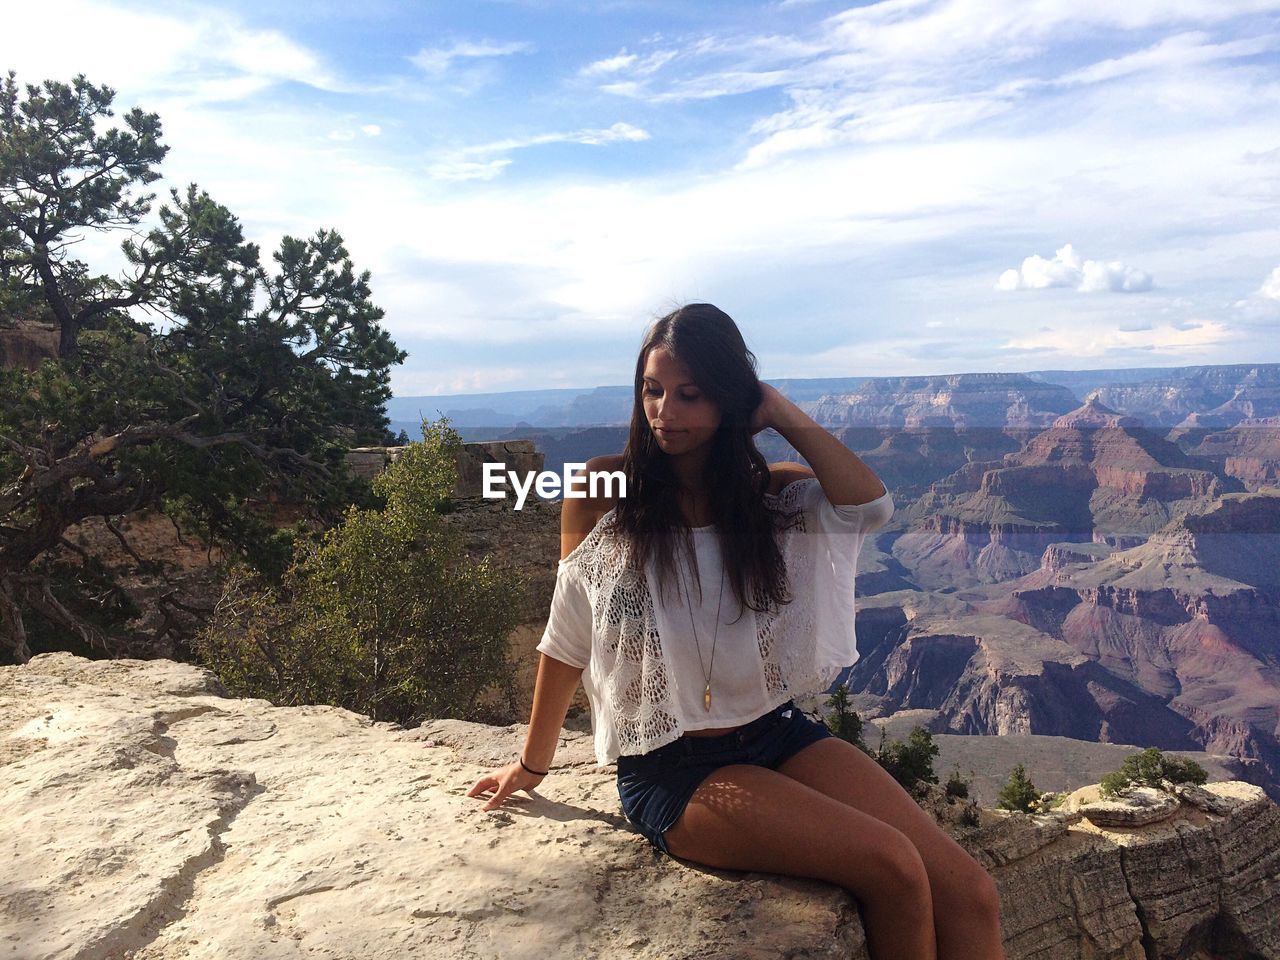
(895, 188)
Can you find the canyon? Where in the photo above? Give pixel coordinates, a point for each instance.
(1073, 554)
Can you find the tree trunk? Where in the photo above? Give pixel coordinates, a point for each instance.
(13, 634)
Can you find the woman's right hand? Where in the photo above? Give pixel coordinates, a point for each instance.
(504, 782)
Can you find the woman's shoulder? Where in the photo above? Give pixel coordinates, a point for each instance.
(580, 515)
(783, 474)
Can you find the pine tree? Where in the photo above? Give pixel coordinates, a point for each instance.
(261, 380)
(1018, 792)
(843, 721)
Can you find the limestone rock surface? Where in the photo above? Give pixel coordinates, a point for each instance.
(150, 817)
(1138, 807)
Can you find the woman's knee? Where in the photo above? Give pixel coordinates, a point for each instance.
(984, 895)
(969, 888)
(894, 871)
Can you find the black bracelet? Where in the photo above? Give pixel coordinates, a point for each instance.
(536, 773)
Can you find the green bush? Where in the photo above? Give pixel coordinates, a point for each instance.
(385, 616)
(1150, 768)
(909, 761)
(843, 721)
(1018, 792)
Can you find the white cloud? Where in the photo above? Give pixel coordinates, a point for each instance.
(909, 32)
(475, 380)
(709, 87)
(459, 165)
(609, 64)
(617, 133)
(910, 69)
(371, 130)
(1099, 341)
(438, 60)
(194, 58)
(1066, 269)
(1270, 289)
(458, 169)
(1176, 52)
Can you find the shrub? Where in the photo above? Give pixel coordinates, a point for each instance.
(957, 787)
(385, 616)
(909, 761)
(843, 721)
(1151, 768)
(1018, 792)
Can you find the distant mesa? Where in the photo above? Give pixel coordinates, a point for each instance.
(959, 401)
(1094, 474)
(915, 430)
(1248, 451)
(1227, 393)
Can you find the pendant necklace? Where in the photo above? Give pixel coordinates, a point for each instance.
(706, 674)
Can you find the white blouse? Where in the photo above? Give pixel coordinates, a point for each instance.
(648, 692)
(729, 653)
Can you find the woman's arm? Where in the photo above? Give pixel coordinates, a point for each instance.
(552, 694)
(553, 690)
(844, 478)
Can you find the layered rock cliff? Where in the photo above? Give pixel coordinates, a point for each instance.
(1192, 618)
(150, 817)
(1249, 451)
(1093, 475)
(987, 674)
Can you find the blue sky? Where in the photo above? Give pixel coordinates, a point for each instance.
(893, 188)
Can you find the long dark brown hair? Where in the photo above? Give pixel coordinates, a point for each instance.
(707, 341)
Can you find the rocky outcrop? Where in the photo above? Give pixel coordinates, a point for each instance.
(151, 817)
(1058, 764)
(1139, 807)
(27, 344)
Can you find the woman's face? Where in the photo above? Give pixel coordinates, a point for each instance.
(680, 415)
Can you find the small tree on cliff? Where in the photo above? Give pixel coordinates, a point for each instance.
(255, 390)
(1018, 792)
(909, 761)
(843, 720)
(386, 617)
(1151, 768)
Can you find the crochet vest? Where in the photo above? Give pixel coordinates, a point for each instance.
(631, 679)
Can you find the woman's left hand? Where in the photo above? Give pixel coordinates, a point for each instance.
(765, 414)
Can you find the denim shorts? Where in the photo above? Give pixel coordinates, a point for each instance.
(655, 787)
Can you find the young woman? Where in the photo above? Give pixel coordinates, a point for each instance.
(715, 763)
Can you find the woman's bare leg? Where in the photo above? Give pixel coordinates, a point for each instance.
(966, 904)
(751, 818)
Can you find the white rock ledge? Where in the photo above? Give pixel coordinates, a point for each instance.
(148, 817)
